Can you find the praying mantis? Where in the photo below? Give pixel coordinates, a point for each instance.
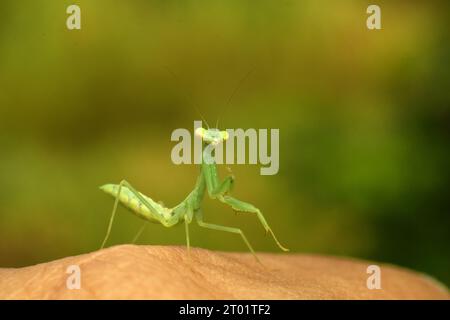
(191, 207)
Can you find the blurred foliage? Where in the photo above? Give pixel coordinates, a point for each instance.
(363, 116)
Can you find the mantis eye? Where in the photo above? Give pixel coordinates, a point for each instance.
(225, 135)
(200, 132)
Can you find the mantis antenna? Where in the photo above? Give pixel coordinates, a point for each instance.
(187, 97)
(234, 92)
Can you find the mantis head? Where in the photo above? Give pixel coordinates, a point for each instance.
(211, 136)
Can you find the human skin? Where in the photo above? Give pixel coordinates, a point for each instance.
(167, 272)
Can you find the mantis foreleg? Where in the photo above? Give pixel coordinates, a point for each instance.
(224, 187)
(218, 190)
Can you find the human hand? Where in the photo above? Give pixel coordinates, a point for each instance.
(167, 272)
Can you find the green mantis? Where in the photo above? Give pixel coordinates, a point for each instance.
(191, 207)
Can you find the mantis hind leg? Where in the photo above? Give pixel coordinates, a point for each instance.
(138, 234)
(241, 206)
(186, 225)
(203, 224)
(113, 214)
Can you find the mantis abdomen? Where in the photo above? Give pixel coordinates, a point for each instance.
(135, 205)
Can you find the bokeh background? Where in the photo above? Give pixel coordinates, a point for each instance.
(363, 117)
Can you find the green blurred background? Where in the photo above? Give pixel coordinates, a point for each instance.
(363, 117)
